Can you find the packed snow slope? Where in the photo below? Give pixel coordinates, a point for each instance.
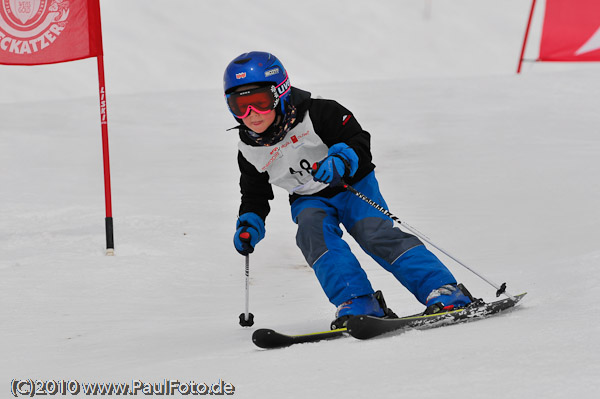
(501, 170)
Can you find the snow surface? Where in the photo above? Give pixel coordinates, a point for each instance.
(500, 169)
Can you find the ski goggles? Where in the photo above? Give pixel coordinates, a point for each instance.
(262, 100)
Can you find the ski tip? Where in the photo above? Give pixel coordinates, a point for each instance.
(267, 339)
(262, 332)
(358, 327)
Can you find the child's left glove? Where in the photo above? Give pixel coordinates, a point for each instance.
(250, 230)
(341, 162)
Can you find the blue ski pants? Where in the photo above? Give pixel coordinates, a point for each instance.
(319, 237)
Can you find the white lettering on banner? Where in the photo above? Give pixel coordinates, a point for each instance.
(29, 26)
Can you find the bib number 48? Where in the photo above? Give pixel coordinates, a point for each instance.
(304, 167)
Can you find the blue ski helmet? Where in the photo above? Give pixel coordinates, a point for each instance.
(258, 67)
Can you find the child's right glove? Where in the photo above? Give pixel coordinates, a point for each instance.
(341, 162)
(250, 230)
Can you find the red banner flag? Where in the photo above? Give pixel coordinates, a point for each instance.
(34, 32)
(571, 31)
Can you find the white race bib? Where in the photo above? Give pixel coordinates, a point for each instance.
(290, 161)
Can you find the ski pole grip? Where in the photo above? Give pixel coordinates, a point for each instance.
(315, 167)
(245, 236)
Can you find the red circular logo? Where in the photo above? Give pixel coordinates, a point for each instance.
(29, 26)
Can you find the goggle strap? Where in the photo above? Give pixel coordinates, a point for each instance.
(248, 112)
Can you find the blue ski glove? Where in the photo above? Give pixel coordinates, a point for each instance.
(341, 162)
(250, 230)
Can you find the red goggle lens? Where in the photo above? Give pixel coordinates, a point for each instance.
(262, 100)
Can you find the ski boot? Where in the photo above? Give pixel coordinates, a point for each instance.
(448, 297)
(372, 305)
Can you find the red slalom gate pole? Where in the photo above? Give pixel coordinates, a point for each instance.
(526, 35)
(110, 244)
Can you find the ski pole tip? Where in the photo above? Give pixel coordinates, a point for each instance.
(246, 320)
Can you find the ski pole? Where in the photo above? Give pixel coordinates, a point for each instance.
(499, 289)
(247, 318)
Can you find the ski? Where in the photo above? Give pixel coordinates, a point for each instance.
(365, 327)
(270, 339)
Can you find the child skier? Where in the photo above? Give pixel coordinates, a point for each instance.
(283, 133)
